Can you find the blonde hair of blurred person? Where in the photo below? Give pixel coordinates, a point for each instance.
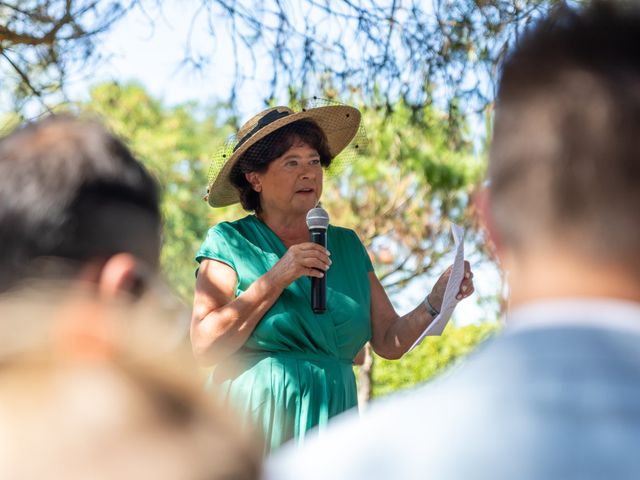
(107, 390)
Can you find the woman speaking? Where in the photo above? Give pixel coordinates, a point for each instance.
(279, 365)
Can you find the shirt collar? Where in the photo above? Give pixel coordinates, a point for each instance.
(576, 312)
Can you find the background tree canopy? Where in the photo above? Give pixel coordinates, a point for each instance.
(399, 195)
(43, 41)
(418, 51)
(408, 185)
(419, 71)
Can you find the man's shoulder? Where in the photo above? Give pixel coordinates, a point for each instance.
(516, 390)
(375, 444)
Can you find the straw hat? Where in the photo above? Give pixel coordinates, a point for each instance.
(339, 123)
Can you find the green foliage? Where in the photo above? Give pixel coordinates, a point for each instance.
(388, 186)
(422, 141)
(409, 180)
(429, 358)
(409, 184)
(8, 122)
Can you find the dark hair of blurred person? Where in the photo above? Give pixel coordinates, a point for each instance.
(72, 191)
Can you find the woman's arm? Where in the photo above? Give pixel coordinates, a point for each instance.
(221, 322)
(391, 334)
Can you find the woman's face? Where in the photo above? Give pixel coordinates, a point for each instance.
(292, 183)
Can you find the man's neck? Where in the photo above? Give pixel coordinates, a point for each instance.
(556, 275)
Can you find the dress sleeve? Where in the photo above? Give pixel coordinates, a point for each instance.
(364, 254)
(216, 247)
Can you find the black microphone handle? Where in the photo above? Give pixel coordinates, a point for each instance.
(319, 285)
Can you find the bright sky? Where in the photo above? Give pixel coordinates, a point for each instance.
(149, 47)
(151, 55)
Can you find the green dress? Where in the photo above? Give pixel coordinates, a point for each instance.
(295, 370)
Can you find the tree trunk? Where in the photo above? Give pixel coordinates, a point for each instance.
(365, 375)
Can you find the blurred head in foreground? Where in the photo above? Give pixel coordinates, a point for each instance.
(565, 160)
(107, 392)
(75, 203)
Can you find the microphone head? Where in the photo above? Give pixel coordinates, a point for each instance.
(317, 218)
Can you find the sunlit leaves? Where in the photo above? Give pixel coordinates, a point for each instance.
(431, 357)
(401, 194)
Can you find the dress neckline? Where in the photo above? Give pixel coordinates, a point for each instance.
(304, 283)
(266, 229)
(270, 231)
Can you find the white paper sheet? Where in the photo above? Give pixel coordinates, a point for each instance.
(449, 300)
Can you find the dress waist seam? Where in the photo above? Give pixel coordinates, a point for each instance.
(300, 356)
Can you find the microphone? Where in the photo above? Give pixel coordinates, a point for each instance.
(317, 222)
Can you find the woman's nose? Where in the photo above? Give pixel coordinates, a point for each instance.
(308, 172)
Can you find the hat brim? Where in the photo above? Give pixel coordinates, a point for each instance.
(339, 123)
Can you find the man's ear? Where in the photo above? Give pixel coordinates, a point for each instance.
(121, 273)
(481, 200)
(254, 180)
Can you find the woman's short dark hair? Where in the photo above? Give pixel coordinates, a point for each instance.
(258, 157)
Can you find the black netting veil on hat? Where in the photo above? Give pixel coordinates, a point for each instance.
(269, 133)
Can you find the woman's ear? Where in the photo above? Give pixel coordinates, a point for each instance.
(254, 180)
(121, 273)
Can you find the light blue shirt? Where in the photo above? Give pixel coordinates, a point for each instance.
(555, 396)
